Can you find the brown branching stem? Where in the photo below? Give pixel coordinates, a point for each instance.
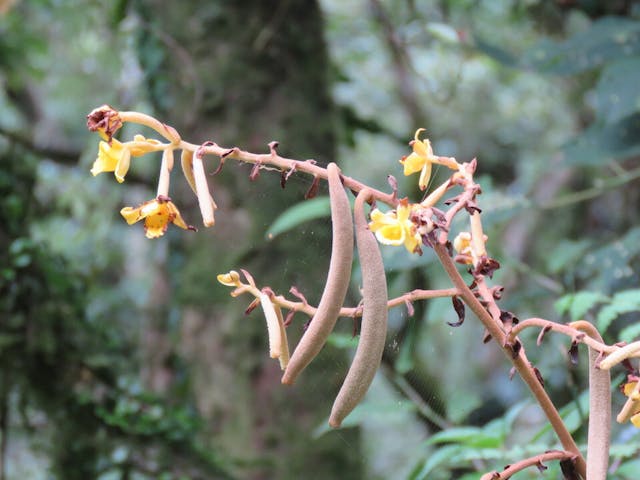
(271, 158)
(570, 331)
(354, 312)
(535, 461)
(520, 361)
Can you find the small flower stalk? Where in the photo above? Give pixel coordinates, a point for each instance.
(276, 332)
(207, 205)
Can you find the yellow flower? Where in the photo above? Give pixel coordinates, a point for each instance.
(157, 215)
(115, 156)
(395, 227)
(421, 160)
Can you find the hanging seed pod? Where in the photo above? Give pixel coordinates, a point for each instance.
(337, 284)
(373, 329)
(599, 431)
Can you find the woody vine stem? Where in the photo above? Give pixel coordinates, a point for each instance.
(412, 225)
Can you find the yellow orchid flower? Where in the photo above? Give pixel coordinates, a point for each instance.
(115, 156)
(157, 215)
(395, 227)
(422, 160)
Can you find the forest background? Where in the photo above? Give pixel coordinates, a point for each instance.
(122, 357)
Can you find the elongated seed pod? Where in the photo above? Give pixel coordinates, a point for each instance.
(373, 328)
(337, 284)
(599, 433)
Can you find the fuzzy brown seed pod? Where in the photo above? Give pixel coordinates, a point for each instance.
(373, 329)
(599, 433)
(337, 284)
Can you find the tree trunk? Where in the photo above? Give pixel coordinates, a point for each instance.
(245, 73)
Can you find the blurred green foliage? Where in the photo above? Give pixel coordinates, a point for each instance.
(545, 94)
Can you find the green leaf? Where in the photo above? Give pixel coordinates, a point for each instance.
(567, 254)
(608, 265)
(388, 411)
(496, 52)
(342, 340)
(629, 298)
(455, 434)
(630, 333)
(624, 301)
(625, 450)
(573, 414)
(617, 94)
(603, 142)
(439, 457)
(629, 470)
(608, 39)
(578, 304)
(468, 436)
(8, 340)
(298, 214)
(443, 32)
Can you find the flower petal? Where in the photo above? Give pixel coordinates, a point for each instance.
(636, 420)
(391, 235)
(131, 215)
(123, 165)
(106, 161)
(425, 175)
(413, 163)
(156, 223)
(412, 242)
(176, 217)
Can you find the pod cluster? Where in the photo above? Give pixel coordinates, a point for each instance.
(374, 288)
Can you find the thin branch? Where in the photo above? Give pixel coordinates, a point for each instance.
(570, 331)
(583, 195)
(59, 155)
(536, 461)
(424, 409)
(401, 63)
(352, 312)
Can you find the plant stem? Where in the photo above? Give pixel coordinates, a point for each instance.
(520, 362)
